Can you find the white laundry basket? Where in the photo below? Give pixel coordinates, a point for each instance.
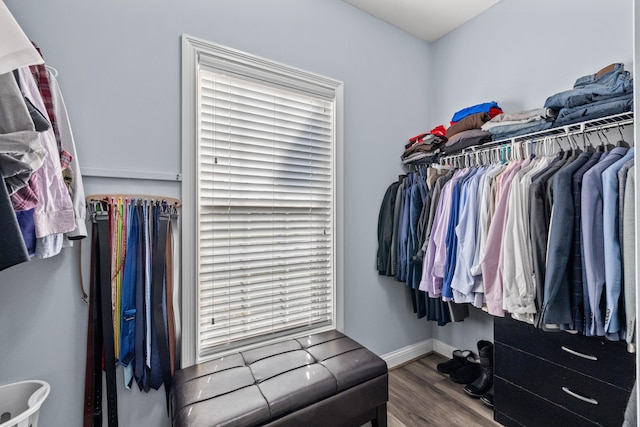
(20, 403)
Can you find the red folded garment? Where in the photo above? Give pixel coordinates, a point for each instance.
(439, 131)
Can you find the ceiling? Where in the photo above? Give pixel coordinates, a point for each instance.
(425, 19)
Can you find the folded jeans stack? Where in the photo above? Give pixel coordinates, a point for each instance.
(607, 92)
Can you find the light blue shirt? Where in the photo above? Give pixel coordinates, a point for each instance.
(462, 282)
(612, 257)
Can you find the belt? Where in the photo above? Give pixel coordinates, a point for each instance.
(107, 318)
(93, 373)
(101, 327)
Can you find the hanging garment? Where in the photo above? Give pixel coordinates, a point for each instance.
(556, 307)
(462, 281)
(490, 264)
(385, 229)
(629, 258)
(13, 250)
(613, 320)
(54, 211)
(457, 204)
(396, 228)
(593, 238)
(70, 165)
(15, 50)
(580, 301)
(21, 152)
(517, 268)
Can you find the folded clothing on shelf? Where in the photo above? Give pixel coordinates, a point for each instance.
(466, 139)
(492, 108)
(605, 93)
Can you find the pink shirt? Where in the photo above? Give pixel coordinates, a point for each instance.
(54, 211)
(490, 264)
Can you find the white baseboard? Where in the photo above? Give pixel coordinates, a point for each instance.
(410, 352)
(415, 351)
(442, 348)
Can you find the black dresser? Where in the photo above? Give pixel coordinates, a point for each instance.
(551, 379)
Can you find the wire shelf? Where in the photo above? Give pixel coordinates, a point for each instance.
(588, 126)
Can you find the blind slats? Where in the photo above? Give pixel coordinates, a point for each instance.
(265, 216)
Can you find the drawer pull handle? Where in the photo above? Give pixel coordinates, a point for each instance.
(576, 353)
(577, 396)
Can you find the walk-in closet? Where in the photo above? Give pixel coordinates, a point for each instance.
(318, 212)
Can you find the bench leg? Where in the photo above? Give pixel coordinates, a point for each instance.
(381, 416)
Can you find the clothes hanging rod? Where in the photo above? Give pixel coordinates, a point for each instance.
(108, 196)
(131, 174)
(579, 128)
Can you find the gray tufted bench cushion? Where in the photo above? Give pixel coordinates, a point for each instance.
(325, 379)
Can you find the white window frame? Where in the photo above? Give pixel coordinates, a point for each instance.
(196, 51)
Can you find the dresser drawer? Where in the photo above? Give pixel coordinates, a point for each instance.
(576, 392)
(515, 407)
(605, 360)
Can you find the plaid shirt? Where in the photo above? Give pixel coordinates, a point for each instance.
(42, 80)
(27, 197)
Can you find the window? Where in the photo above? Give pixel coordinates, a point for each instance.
(260, 191)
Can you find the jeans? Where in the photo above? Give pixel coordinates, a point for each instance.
(509, 131)
(595, 110)
(590, 88)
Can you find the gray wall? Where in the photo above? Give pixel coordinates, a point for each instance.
(518, 53)
(119, 70)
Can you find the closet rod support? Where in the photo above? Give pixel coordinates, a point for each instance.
(131, 174)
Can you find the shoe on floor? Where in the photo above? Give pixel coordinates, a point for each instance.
(487, 398)
(456, 362)
(468, 373)
(485, 380)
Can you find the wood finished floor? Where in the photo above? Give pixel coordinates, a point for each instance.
(419, 396)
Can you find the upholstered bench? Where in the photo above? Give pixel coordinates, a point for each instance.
(326, 379)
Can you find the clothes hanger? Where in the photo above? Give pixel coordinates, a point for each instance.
(621, 142)
(54, 72)
(575, 148)
(107, 197)
(585, 147)
(608, 145)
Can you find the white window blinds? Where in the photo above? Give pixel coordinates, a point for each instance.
(265, 213)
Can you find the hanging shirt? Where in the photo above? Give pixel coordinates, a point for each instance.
(54, 213)
(457, 203)
(485, 213)
(72, 169)
(433, 267)
(490, 264)
(518, 290)
(462, 282)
